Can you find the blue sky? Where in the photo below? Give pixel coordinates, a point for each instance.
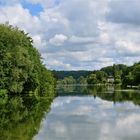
(34, 9)
(79, 34)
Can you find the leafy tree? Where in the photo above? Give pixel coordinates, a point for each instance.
(108, 70)
(101, 76)
(136, 74)
(92, 79)
(117, 79)
(67, 81)
(129, 79)
(75, 74)
(21, 69)
(82, 80)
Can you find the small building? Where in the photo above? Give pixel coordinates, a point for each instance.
(110, 79)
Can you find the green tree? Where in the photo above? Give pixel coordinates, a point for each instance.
(21, 68)
(82, 80)
(136, 74)
(129, 79)
(101, 76)
(92, 79)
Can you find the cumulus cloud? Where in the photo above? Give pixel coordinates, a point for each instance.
(81, 40)
(127, 11)
(58, 40)
(58, 63)
(18, 16)
(127, 48)
(81, 34)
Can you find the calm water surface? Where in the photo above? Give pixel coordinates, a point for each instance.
(99, 115)
(78, 113)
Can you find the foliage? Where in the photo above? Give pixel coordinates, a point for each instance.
(136, 74)
(71, 81)
(117, 81)
(21, 69)
(128, 79)
(75, 74)
(119, 73)
(101, 76)
(122, 74)
(97, 77)
(92, 79)
(82, 80)
(67, 81)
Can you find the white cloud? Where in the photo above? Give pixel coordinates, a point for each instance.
(127, 48)
(39, 43)
(44, 3)
(90, 34)
(58, 40)
(58, 63)
(81, 40)
(126, 12)
(18, 16)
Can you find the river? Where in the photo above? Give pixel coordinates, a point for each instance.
(77, 113)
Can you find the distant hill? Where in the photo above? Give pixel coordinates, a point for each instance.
(74, 74)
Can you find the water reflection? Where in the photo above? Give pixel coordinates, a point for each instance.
(20, 116)
(109, 93)
(92, 116)
(78, 113)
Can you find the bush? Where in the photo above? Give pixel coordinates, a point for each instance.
(117, 81)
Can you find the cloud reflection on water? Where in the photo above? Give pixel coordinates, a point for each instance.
(86, 118)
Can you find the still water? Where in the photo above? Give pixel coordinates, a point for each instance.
(77, 113)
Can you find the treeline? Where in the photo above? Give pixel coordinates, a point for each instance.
(21, 68)
(71, 77)
(74, 74)
(116, 74)
(125, 75)
(70, 81)
(112, 74)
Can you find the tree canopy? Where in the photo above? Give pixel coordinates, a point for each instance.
(21, 68)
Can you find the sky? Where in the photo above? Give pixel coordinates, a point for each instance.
(79, 34)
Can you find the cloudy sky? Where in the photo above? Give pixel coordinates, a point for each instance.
(79, 34)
